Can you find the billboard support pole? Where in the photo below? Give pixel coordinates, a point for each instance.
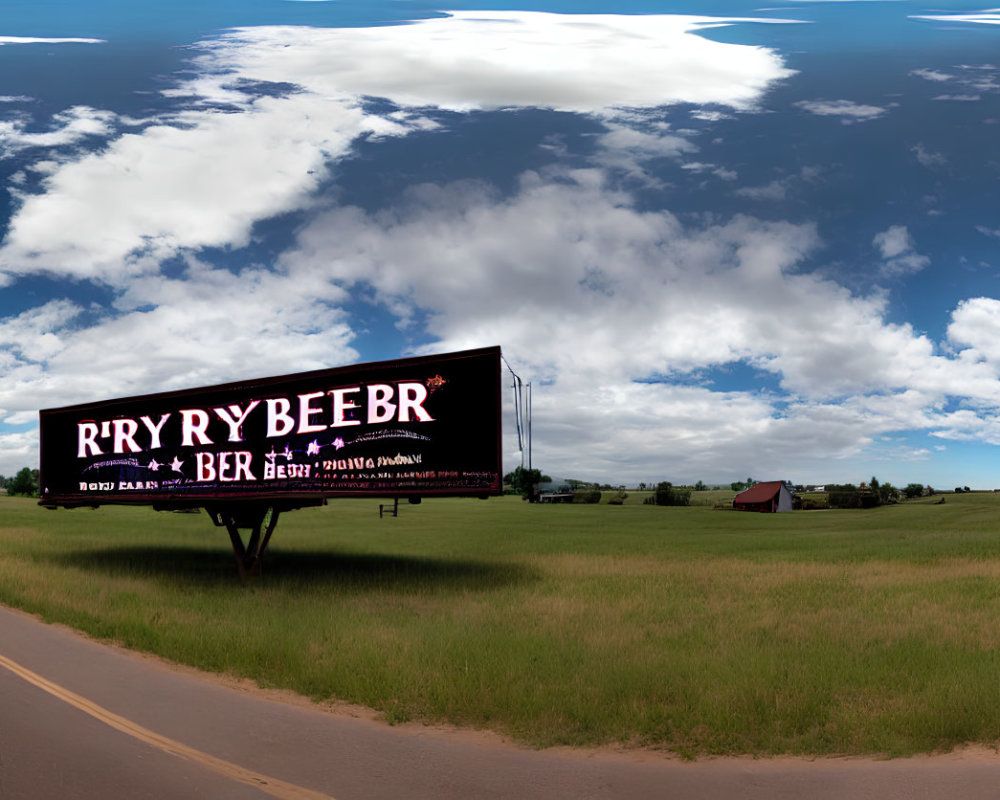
(261, 521)
(529, 424)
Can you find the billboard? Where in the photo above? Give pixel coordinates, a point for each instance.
(404, 428)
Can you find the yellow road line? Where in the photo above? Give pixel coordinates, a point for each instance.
(271, 786)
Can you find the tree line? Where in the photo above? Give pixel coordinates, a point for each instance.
(873, 493)
(866, 494)
(25, 482)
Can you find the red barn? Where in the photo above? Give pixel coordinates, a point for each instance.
(767, 496)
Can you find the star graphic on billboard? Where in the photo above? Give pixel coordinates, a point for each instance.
(338, 443)
(313, 448)
(153, 465)
(176, 464)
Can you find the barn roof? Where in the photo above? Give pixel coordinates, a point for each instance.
(759, 492)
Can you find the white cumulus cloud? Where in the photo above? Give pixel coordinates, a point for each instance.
(494, 59)
(621, 315)
(932, 75)
(613, 312)
(774, 191)
(975, 329)
(210, 326)
(118, 212)
(847, 110)
(182, 184)
(899, 255)
(69, 127)
(593, 297)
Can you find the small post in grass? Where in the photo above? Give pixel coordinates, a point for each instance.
(394, 511)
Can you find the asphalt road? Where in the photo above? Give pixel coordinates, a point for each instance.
(85, 721)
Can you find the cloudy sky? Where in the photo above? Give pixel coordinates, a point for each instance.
(720, 239)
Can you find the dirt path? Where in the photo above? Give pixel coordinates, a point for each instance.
(83, 720)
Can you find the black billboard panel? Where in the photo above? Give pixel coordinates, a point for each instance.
(406, 428)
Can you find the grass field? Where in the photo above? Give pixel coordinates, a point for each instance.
(691, 630)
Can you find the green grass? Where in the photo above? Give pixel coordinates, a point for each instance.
(691, 630)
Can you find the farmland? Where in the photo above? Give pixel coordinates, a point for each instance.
(688, 630)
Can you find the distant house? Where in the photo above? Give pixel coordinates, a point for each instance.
(553, 491)
(555, 497)
(767, 496)
(555, 485)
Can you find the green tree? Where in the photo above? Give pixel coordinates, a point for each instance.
(667, 494)
(700, 486)
(25, 482)
(870, 494)
(912, 490)
(524, 481)
(845, 495)
(888, 494)
(619, 498)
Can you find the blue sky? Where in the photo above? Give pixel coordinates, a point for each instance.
(721, 239)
